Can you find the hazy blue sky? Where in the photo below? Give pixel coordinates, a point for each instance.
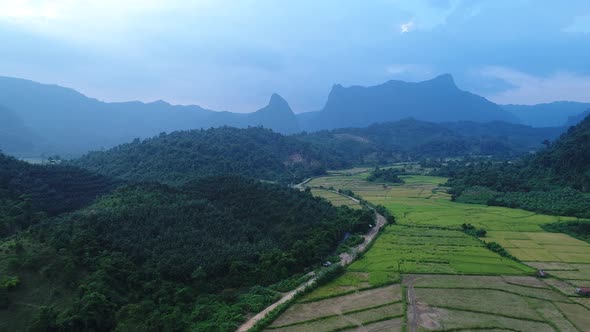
(231, 55)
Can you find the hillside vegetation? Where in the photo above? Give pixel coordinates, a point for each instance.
(388, 142)
(555, 180)
(50, 188)
(151, 257)
(182, 156)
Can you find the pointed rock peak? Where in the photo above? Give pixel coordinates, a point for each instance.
(445, 79)
(337, 89)
(276, 104)
(276, 100)
(160, 102)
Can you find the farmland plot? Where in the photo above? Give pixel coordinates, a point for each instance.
(439, 302)
(336, 199)
(450, 280)
(361, 308)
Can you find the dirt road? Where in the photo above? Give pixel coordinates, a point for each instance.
(345, 259)
(252, 321)
(414, 308)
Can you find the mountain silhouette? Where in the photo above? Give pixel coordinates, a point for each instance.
(435, 100)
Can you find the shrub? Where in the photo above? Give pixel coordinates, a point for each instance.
(10, 283)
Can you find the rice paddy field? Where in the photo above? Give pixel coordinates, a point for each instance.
(424, 274)
(362, 309)
(336, 199)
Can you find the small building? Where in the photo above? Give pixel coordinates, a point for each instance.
(584, 291)
(327, 264)
(541, 274)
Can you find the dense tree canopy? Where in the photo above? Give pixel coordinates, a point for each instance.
(29, 192)
(155, 256)
(182, 156)
(52, 188)
(555, 180)
(388, 175)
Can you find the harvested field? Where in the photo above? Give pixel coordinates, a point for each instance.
(433, 319)
(577, 314)
(390, 325)
(439, 302)
(584, 301)
(301, 312)
(479, 300)
(353, 321)
(529, 286)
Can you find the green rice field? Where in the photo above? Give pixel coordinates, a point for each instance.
(448, 280)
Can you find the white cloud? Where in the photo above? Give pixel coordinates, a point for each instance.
(24, 9)
(531, 89)
(406, 27)
(424, 14)
(89, 22)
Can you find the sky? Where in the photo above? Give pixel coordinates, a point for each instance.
(232, 55)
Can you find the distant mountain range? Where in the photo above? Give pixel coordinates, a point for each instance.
(576, 119)
(66, 121)
(549, 114)
(14, 135)
(40, 118)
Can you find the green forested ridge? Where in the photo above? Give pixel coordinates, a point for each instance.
(182, 156)
(567, 161)
(28, 192)
(14, 135)
(185, 155)
(388, 142)
(16, 213)
(153, 257)
(556, 180)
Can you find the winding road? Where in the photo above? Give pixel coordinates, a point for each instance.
(345, 259)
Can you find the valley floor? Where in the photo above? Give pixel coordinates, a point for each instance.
(425, 274)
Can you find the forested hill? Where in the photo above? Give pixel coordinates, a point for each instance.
(548, 114)
(575, 119)
(51, 188)
(14, 135)
(182, 156)
(153, 257)
(555, 180)
(567, 161)
(414, 139)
